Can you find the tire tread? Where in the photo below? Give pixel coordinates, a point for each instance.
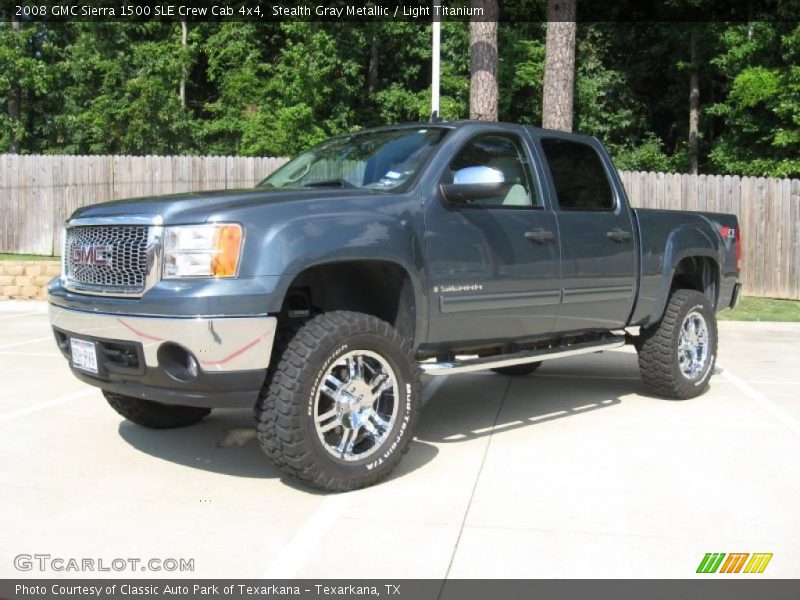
(280, 414)
(657, 353)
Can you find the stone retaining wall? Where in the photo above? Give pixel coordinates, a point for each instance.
(26, 279)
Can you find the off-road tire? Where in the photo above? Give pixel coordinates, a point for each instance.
(518, 370)
(266, 403)
(285, 421)
(155, 415)
(658, 348)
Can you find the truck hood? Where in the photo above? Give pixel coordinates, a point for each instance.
(197, 207)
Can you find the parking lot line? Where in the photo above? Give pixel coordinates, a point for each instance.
(477, 479)
(772, 408)
(39, 406)
(17, 315)
(33, 341)
(321, 521)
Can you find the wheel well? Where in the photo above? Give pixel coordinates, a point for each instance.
(379, 288)
(698, 273)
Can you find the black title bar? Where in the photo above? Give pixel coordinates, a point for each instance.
(402, 10)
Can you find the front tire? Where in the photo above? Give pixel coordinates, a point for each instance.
(343, 402)
(155, 415)
(677, 357)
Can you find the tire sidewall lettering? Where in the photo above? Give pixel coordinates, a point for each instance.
(403, 427)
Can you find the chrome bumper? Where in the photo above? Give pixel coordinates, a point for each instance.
(218, 344)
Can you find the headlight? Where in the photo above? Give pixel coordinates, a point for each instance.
(202, 250)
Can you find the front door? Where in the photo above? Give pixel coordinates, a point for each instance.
(494, 263)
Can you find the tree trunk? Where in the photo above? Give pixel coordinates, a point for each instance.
(483, 93)
(694, 108)
(559, 72)
(14, 101)
(184, 43)
(374, 58)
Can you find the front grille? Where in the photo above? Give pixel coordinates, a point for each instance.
(106, 258)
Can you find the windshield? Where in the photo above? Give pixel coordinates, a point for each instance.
(372, 160)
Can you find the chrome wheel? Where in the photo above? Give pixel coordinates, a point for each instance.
(693, 345)
(355, 405)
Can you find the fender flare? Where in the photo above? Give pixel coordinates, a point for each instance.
(687, 241)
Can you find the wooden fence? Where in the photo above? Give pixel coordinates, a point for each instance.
(37, 193)
(768, 212)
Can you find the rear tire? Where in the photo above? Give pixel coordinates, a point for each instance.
(343, 402)
(155, 415)
(518, 370)
(677, 356)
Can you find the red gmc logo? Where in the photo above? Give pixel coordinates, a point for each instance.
(98, 255)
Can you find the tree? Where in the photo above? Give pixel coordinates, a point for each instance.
(483, 94)
(184, 46)
(694, 105)
(759, 107)
(14, 98)
(559, 74)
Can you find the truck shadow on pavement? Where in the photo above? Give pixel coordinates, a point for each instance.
(460, 408)
(474, 407)
(225, 442)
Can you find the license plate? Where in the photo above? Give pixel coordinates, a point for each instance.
(84, 355)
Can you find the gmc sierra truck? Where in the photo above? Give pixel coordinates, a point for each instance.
(320, 296)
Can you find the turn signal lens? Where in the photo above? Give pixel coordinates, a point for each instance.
(227, 243)
(210, 250)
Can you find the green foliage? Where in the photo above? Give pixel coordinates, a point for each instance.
(26, 65)
(277, 88)
(648, 155)
(760, 107)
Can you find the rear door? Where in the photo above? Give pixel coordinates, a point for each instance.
(597, 236)
(493, 264)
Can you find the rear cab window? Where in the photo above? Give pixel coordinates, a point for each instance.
(580, 179)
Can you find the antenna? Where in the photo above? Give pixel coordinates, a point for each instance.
(437, 32)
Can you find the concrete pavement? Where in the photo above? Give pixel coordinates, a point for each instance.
(570, 472)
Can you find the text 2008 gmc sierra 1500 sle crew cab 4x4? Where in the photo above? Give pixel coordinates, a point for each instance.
(321, 295)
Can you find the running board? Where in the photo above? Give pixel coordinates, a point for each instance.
(518, 358)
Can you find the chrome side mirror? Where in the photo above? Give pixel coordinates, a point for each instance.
(474, 183)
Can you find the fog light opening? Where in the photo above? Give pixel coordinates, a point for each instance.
(178, 362)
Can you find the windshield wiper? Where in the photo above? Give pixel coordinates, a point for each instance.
(342, 183)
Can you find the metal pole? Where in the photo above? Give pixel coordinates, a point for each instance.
(437, 31)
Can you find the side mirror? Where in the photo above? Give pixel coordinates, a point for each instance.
(474, 183)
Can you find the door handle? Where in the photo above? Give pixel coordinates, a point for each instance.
(618, 235)
(539, 235)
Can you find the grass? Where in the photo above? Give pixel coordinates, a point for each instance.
(26, 257)
(763, 309)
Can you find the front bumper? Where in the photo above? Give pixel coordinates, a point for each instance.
(145, 356)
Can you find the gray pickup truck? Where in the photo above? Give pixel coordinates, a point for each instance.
(322, 295)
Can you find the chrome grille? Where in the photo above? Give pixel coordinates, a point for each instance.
(123, 259)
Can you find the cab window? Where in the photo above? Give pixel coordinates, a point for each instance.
(503, 153)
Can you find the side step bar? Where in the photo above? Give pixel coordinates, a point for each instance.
(517, 358)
